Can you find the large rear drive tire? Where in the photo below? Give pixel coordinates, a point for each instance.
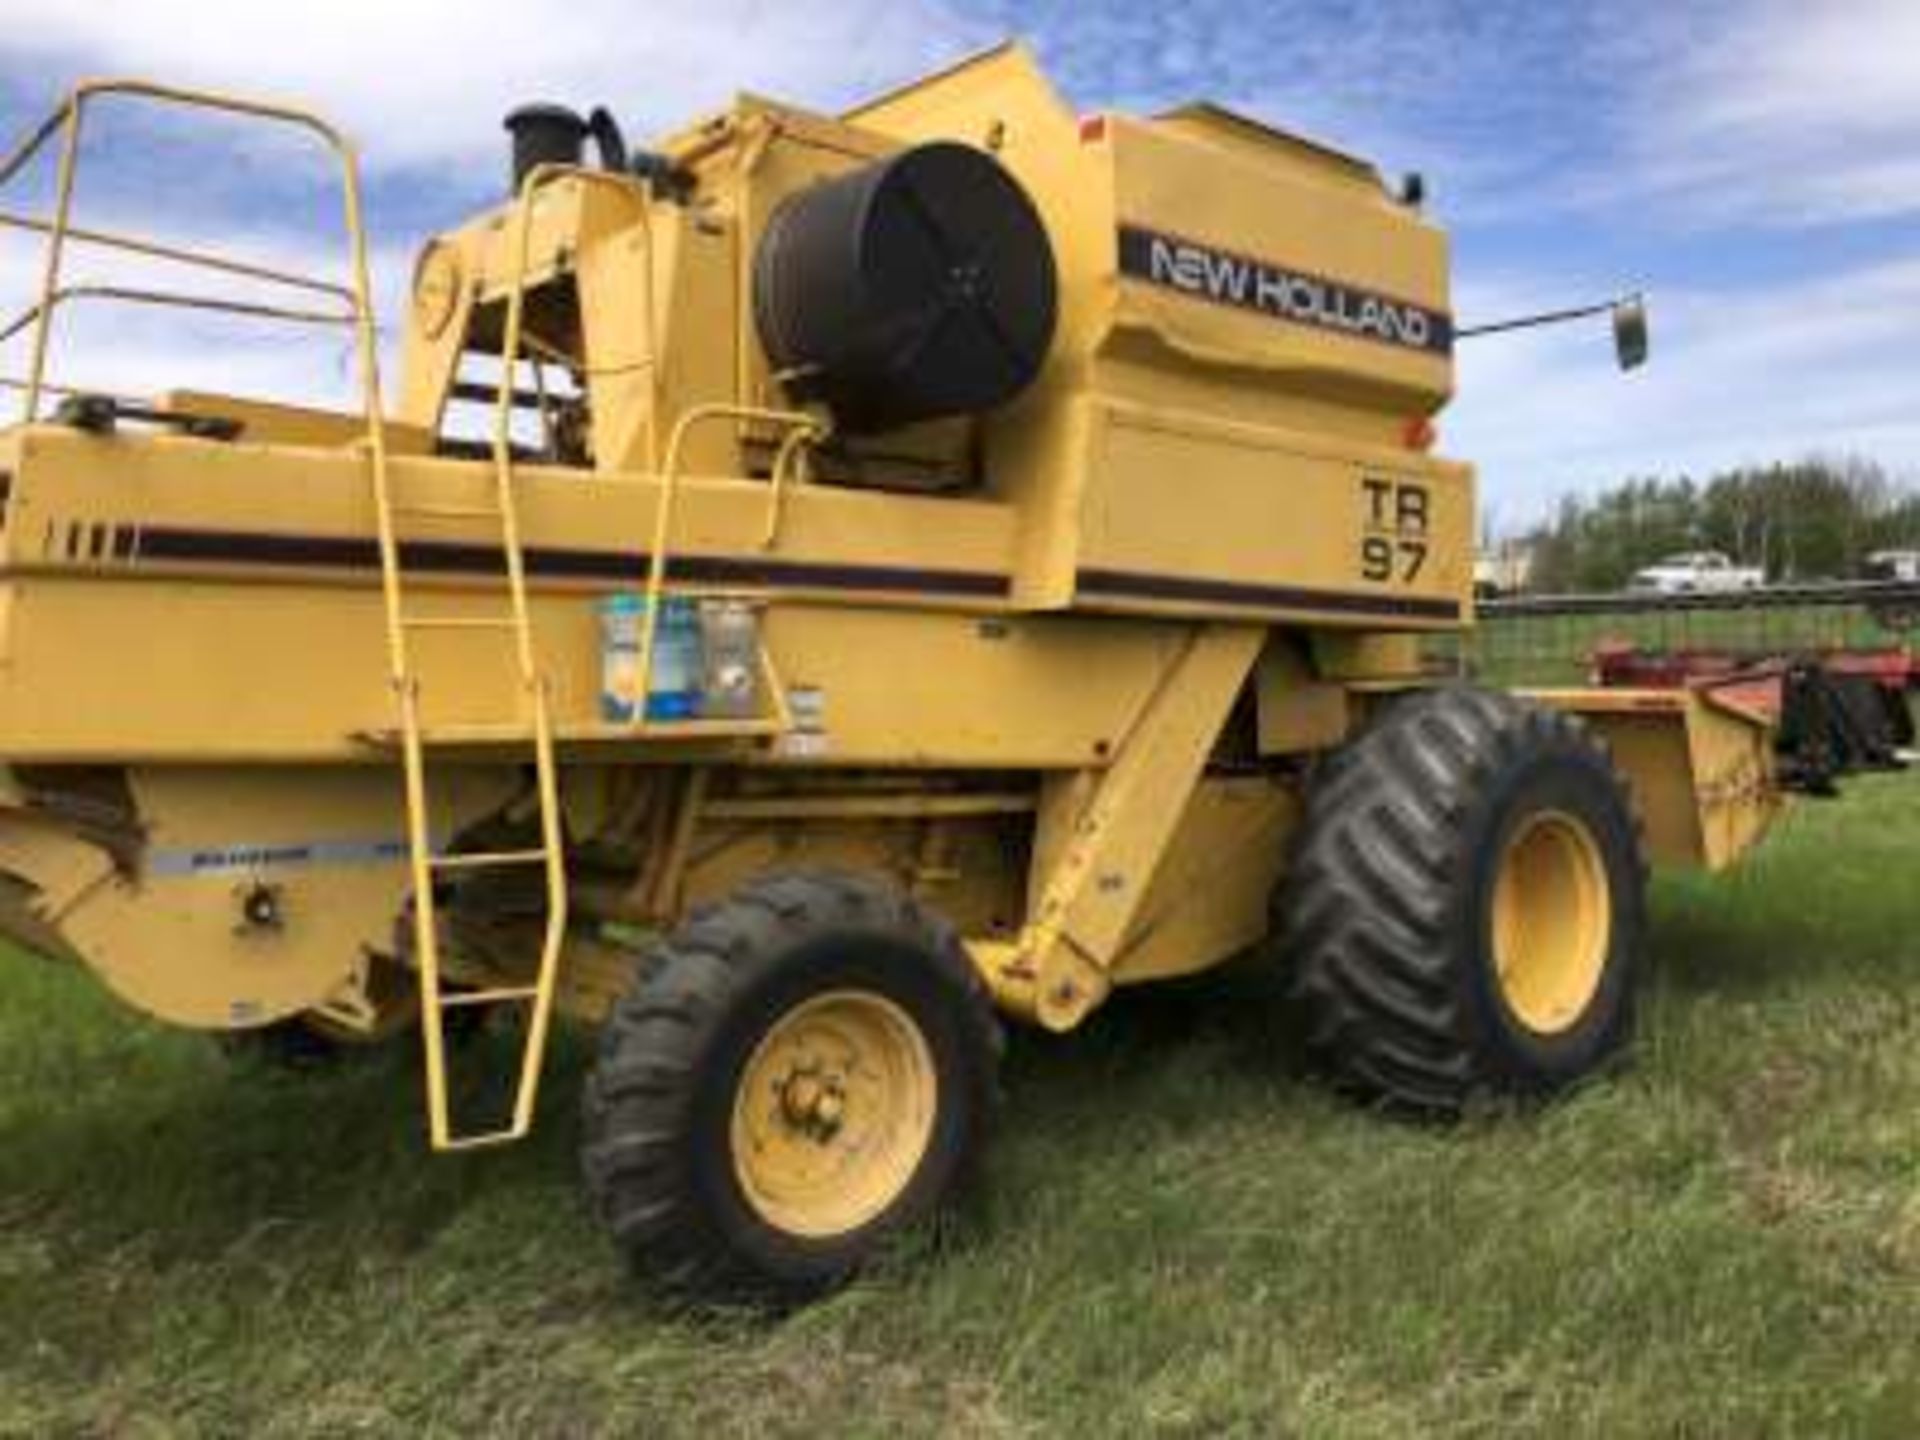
(1465, 909)
(797, 1075)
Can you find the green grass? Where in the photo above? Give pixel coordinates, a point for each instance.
(1178, 1236)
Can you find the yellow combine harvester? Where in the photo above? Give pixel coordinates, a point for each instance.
(936, 563)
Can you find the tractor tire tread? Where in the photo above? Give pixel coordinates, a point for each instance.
(1365, 915)
(655, 1043)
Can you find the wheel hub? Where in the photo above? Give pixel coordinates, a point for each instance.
(833, 1113)
(1552, 921)
(813, 1103)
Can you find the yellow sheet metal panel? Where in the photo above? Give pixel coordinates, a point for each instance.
(294, 674)
(1245, 316)
(1701, 770)
(1192, 512)
(171, 598)
(1261, 144)
(919, 689)
(111, 672)
(1083, 911)
(1208, 901)
(167, 931)
(1733, 766)
(832, 541)
(552, 236)
(1279, 263)
(1297, 711)
(439, 311)
(265, 422)
(629, 273)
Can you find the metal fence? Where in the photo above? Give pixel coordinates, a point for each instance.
(1551, 639)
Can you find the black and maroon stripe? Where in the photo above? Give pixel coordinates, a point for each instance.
(449, 557)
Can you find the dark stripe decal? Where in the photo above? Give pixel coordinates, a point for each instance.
(443, 557)
(1133, 585)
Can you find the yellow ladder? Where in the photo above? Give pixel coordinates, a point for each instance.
(534, 727)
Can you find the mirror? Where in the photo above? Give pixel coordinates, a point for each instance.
(1630, 332)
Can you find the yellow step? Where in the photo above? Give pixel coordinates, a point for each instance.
(489, 997)
(487, 859)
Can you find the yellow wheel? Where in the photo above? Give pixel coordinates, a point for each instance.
(799, 1074)
(1465, 905)
(834, 1113)
(1552, 920)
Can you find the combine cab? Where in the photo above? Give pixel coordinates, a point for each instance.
(927, 567)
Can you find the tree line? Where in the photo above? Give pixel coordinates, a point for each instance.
(1814, 519)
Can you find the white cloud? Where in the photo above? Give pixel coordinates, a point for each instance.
(1785, 114)
(420, 87)
(426, 81)
(1737, 376)
(1711, 115)
(131, 348)
(1473, 95)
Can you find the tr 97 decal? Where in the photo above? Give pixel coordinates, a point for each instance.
(1394, 535)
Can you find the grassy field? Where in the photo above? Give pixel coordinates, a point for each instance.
(1178, 1235)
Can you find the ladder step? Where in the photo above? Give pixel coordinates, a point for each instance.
(485, 1140)
(488, 859)
(477, 733)
(489, 997)
(459, 622)
(438, 511)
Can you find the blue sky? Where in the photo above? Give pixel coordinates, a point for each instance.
(1754, 166)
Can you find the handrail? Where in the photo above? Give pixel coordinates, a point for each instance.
(804, 429)
(8, 382)
(136, 296)
(510, 342)
(65, 122)
(203, 259)
(538, 697)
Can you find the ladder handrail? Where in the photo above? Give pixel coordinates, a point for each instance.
(180, 255)
(131, 295)
(66, 121)
(536, 695)
(804, 430)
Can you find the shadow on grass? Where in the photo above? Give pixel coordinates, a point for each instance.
(188, 1150)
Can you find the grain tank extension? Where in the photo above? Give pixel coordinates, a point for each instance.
(822, 587)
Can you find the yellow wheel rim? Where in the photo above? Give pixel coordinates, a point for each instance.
(833, 1114)
(1552, 921)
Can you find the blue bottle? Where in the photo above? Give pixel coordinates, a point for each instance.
(674, 691)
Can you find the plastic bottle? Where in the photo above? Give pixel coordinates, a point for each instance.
(730, 649)
(674, 690)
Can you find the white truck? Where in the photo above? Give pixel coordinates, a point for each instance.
(1696, 572)
(1892, 565)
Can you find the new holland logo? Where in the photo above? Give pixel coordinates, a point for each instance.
(1228, 279)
